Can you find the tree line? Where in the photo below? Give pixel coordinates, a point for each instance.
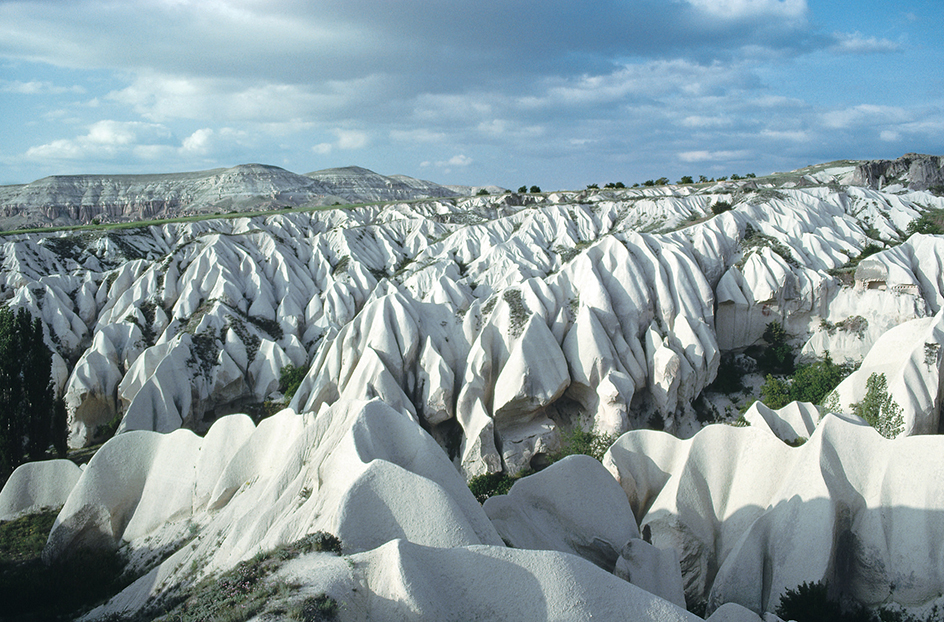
(32, 419)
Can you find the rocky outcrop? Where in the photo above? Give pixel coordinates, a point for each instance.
(913, 170)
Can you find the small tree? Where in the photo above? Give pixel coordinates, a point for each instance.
(778, 357)
(535, 189)
(523, 189)
(879, 409)
(686, 179)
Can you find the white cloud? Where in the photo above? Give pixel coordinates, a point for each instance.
(741, 9)
(795, 136)
(198, 142)
(889, 136)
(351, 139)
(713, 156)
(418, 135)
(322, 148)
(37, 87)
(459, 160)
(863, 115)
(856, 43)
(703, 122)
(105, 140)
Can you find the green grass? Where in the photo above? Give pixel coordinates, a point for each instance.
(23, 539)
(31, 590)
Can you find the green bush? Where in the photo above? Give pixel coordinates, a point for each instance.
(320, 608)
(809, 602)
(775, 392)
(879, 409)
(579, 441)
(721, 207)
(290, 378)
(810, 383)
(929, 223)
(490, 484)
(813, 382)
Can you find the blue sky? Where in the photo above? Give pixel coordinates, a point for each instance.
(559, 93)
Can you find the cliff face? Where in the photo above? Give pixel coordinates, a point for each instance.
(915, 170)
(78, 199)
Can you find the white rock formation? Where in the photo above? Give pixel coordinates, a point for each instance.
(738, 504)
(484, 326)
(36, 486)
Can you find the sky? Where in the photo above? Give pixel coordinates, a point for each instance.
(556, 93)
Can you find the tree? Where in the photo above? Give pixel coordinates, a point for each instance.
(702, 179)
(879, 409)
(535, 189)
(523, 189)
(778, 357)
(31, 418)
(686, 179)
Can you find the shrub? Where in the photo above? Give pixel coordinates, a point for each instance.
(879, 409)
(812, 383)
(290, 378)
(320, 608)
(579, 441)
(808, 602)
(929, 223)
(721, 207)
(775, 393)
(535, 189)
(489, 485)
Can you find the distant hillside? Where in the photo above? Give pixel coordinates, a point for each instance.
(65, 200)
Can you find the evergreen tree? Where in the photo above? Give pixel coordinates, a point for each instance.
(31, 419)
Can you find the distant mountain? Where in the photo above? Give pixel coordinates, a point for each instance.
(358, 185)
(64, 200)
